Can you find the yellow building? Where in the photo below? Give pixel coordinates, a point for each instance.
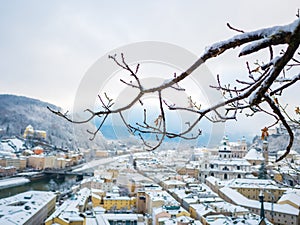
(30, 133)
(40, 134)
(97, 200)
(200, 211)
(119, 203)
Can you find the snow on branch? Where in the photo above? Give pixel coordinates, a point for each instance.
(241, 96)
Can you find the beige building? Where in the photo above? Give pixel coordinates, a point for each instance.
(291, 197)
(169, 184)
(189, 170)
(97, 183)
(154, 199)
(250, 188)
(7, 171)
(60, 163)
(15, 162)
(101, 153)
(172, 211)
(277, 213)
(41, 162)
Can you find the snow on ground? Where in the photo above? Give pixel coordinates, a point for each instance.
(11, 182)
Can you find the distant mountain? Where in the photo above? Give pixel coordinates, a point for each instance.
(17, 112)
(279, 142)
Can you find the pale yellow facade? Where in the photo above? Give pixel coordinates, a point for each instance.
(15, 162)
(119, 203)
(253, 193)
(30, 132)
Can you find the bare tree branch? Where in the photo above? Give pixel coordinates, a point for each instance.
(263, 81)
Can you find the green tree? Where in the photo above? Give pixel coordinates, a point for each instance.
(262, 172)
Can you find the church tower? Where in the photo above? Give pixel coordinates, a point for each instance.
(224, 149)
(265, 151)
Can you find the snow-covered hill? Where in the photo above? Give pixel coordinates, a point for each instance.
(17, 112)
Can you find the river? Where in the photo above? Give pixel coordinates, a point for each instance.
(50, 183)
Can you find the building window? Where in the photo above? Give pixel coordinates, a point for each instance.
(225, 176)
(239, 176)
(238, 167)
(212, 174)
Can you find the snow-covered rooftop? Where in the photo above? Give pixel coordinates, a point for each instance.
(70, 208)
(252, 183)
(292, 197)
(228, 207)
(253, 154)
(241, 200)
(202, 209)
(20, 208)
(231, 161)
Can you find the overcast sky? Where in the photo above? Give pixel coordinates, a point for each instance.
(46, 47)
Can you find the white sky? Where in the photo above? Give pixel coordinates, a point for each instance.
(47, 46)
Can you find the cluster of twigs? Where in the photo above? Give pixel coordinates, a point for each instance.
(265, 84)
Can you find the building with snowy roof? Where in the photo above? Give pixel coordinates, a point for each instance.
(168, 211)
(109, 218)
(279, 213)
(168, 184)
(229, 209)
(71, 211)
(199, 211)
(254, 157)
(18, 163)
(181, 220)
(228, 164)
(250, 188)
(226, 169)
(291, 197)
(31, 207)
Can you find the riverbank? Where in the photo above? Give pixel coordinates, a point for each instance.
(13, 182)
(49, 183)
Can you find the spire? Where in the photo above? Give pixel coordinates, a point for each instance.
(262, 210)
(265, 151)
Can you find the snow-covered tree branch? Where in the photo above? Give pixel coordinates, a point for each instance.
(259, 93)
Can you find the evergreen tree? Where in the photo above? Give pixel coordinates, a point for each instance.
(262, 172)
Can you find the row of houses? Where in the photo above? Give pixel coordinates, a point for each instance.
(37, 162)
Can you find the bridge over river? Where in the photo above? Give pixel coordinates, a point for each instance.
(85, 169)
